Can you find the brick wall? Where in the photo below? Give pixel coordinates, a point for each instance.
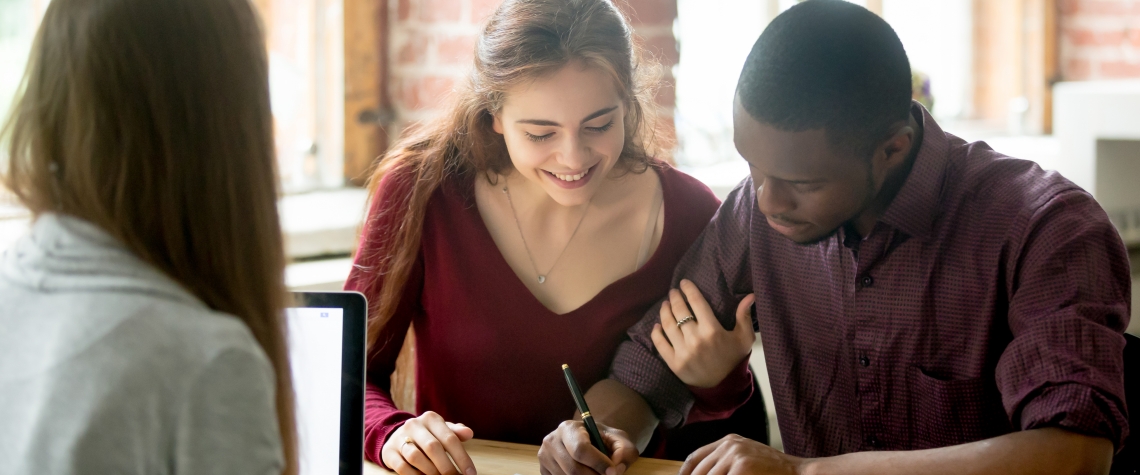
(432, 43)
(1099, 39)
(653, 24)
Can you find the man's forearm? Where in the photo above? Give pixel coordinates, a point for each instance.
(615, 405)
(1052, 451)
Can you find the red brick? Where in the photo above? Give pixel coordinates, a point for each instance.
(1120, 70)
(440, 11)
(1086, 37)
(663, 48)
(455, 49)
(481, 10)
(404, 10)
(1100, 7)
(1077, 70)
(650, 12)
(666, 94)
(665, 138)
(666, 97)
(413, 50)
(425, 92)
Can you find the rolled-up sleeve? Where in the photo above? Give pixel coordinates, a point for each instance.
(1069, 304)
(718, 264)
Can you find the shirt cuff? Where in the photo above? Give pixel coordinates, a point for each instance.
(1079, 409)
(379, 434)
(722, 400)
(645, 373)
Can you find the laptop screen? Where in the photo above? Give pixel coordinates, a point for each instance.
(315, 340)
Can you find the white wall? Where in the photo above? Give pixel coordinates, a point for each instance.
(938, 38)
(715, 37)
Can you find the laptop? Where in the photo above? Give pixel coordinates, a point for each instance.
(326, 352)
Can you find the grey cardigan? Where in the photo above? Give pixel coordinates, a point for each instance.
(108, 366)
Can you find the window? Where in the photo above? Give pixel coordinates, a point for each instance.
(306, 57)
(18, 20)
(306, 80)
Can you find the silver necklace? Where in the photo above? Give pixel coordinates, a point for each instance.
(542, 277)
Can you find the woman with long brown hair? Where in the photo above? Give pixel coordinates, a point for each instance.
(143, 315)
(528, 227)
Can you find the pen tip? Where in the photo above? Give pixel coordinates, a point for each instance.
(565, 366)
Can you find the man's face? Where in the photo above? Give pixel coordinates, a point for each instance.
(804, 186)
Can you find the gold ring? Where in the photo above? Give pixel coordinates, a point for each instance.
(407, 440)
(685, 320)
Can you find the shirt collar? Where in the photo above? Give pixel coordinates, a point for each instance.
(915, 207)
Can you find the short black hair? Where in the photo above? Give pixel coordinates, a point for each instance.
(828, 64)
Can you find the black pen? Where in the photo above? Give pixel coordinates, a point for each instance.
(580, 401)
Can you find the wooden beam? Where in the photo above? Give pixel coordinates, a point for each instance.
(366, 103)
(876, 6)
(1015, 63)
(1051, 68)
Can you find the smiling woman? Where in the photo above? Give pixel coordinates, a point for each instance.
(560, 132)
(526, 228)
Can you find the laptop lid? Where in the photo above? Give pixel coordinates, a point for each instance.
(326, 352)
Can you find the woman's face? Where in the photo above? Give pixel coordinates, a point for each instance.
(565, 131)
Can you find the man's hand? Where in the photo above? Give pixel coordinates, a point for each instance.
(736, 455)
(567, 451)
(700, 351)
(1036, 451)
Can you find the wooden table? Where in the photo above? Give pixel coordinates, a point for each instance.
(503, 458)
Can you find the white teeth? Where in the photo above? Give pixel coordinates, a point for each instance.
(571, 177)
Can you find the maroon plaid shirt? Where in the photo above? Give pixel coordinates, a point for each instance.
(989, 298)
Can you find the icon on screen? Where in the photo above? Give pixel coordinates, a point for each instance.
(324, 315)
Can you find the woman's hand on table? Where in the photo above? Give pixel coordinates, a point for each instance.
(568, 451)
(422, 446)
(699, 350)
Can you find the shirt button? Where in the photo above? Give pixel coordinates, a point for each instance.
(866, 281)
(874, 442)
(865, 361)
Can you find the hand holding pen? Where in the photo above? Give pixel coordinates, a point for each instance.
(573, 450)
(587, 419)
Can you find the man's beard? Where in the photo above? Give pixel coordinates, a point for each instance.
(848, 223)
(819, 239)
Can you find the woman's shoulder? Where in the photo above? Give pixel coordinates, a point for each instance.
(153, 336)
(394, 185)
(686, 195)
(394, 189)
(91, 296)
(186, 336)
(180, 354)
(110, 345)
(143, 359)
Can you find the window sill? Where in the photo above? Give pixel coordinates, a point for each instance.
(322, 223)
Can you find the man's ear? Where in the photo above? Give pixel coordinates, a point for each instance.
(497, 124)
(895, 150)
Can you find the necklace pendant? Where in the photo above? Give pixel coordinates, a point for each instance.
(542, 279)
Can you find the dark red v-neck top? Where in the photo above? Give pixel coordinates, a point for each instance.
(488, 354)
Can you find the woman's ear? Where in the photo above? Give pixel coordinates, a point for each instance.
(497, 123)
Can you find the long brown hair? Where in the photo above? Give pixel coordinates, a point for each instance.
(151, 119)
(523, 40)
